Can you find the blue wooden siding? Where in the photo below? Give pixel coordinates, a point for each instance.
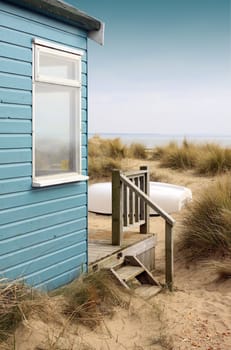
(43, 232)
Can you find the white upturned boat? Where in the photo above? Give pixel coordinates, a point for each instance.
(170, 198)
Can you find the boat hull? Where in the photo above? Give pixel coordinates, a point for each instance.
(171, 198)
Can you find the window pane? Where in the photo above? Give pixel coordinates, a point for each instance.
(56, 140)
(58, 66)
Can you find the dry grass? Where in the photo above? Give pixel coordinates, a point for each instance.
(206, 225)
(213, 160)
(90, 299)
(208, 159)
(222, 268)
(159, 176)
(109, 148)
(163, 341)
(17, 302)
(84, 301)
(204, 159)
(106, 155)
(160, 151)
(176, 156)
(102, 167)
(137, 151)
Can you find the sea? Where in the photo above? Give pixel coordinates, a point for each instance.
(153, 140)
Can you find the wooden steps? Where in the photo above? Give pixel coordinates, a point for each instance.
(147, 291)
(128, 272)
(132, 270)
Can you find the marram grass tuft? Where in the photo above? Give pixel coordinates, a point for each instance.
(206, 225)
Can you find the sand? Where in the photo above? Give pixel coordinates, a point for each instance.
(197, 315)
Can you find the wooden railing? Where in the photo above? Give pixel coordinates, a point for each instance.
(131, 204)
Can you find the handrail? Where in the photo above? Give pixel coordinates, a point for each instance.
(151, 204)
(119, 181)
(134, 173)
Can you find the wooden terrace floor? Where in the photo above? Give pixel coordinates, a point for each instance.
(100, 249)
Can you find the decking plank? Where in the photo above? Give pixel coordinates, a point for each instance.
(103, 254)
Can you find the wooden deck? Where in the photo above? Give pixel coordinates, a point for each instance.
(100, 249)
(101, 253)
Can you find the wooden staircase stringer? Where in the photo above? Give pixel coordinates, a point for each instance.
(132, 268)
(147, 276)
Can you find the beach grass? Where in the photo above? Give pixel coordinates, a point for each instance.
(204, 159)
(105, 155)
(137, 151)
(86, 301)
(90, 299)
(206, 224)
(176, 156)
(213, 160)
(207, 159)
(223, 270)
(102, 167)
(179, 157)
(110, 148)
(17, 302)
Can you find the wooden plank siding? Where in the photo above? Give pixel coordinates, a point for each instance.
(43, 232)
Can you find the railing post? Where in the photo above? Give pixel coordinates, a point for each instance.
(145, 227)
(169, 255)
(122, 180)
(117, 208)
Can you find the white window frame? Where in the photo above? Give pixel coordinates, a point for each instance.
(76, 55)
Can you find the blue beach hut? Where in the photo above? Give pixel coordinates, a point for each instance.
(43, 140)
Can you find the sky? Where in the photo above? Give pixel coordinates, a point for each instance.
(165, 67)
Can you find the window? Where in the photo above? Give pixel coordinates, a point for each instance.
(56, 116)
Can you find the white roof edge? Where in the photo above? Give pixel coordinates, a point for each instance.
(98, 35)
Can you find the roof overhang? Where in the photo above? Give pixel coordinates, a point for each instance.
(64, 12)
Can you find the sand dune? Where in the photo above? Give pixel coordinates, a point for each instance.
(197, 315)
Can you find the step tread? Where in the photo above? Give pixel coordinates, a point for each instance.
(147, 291)
(128, 272)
